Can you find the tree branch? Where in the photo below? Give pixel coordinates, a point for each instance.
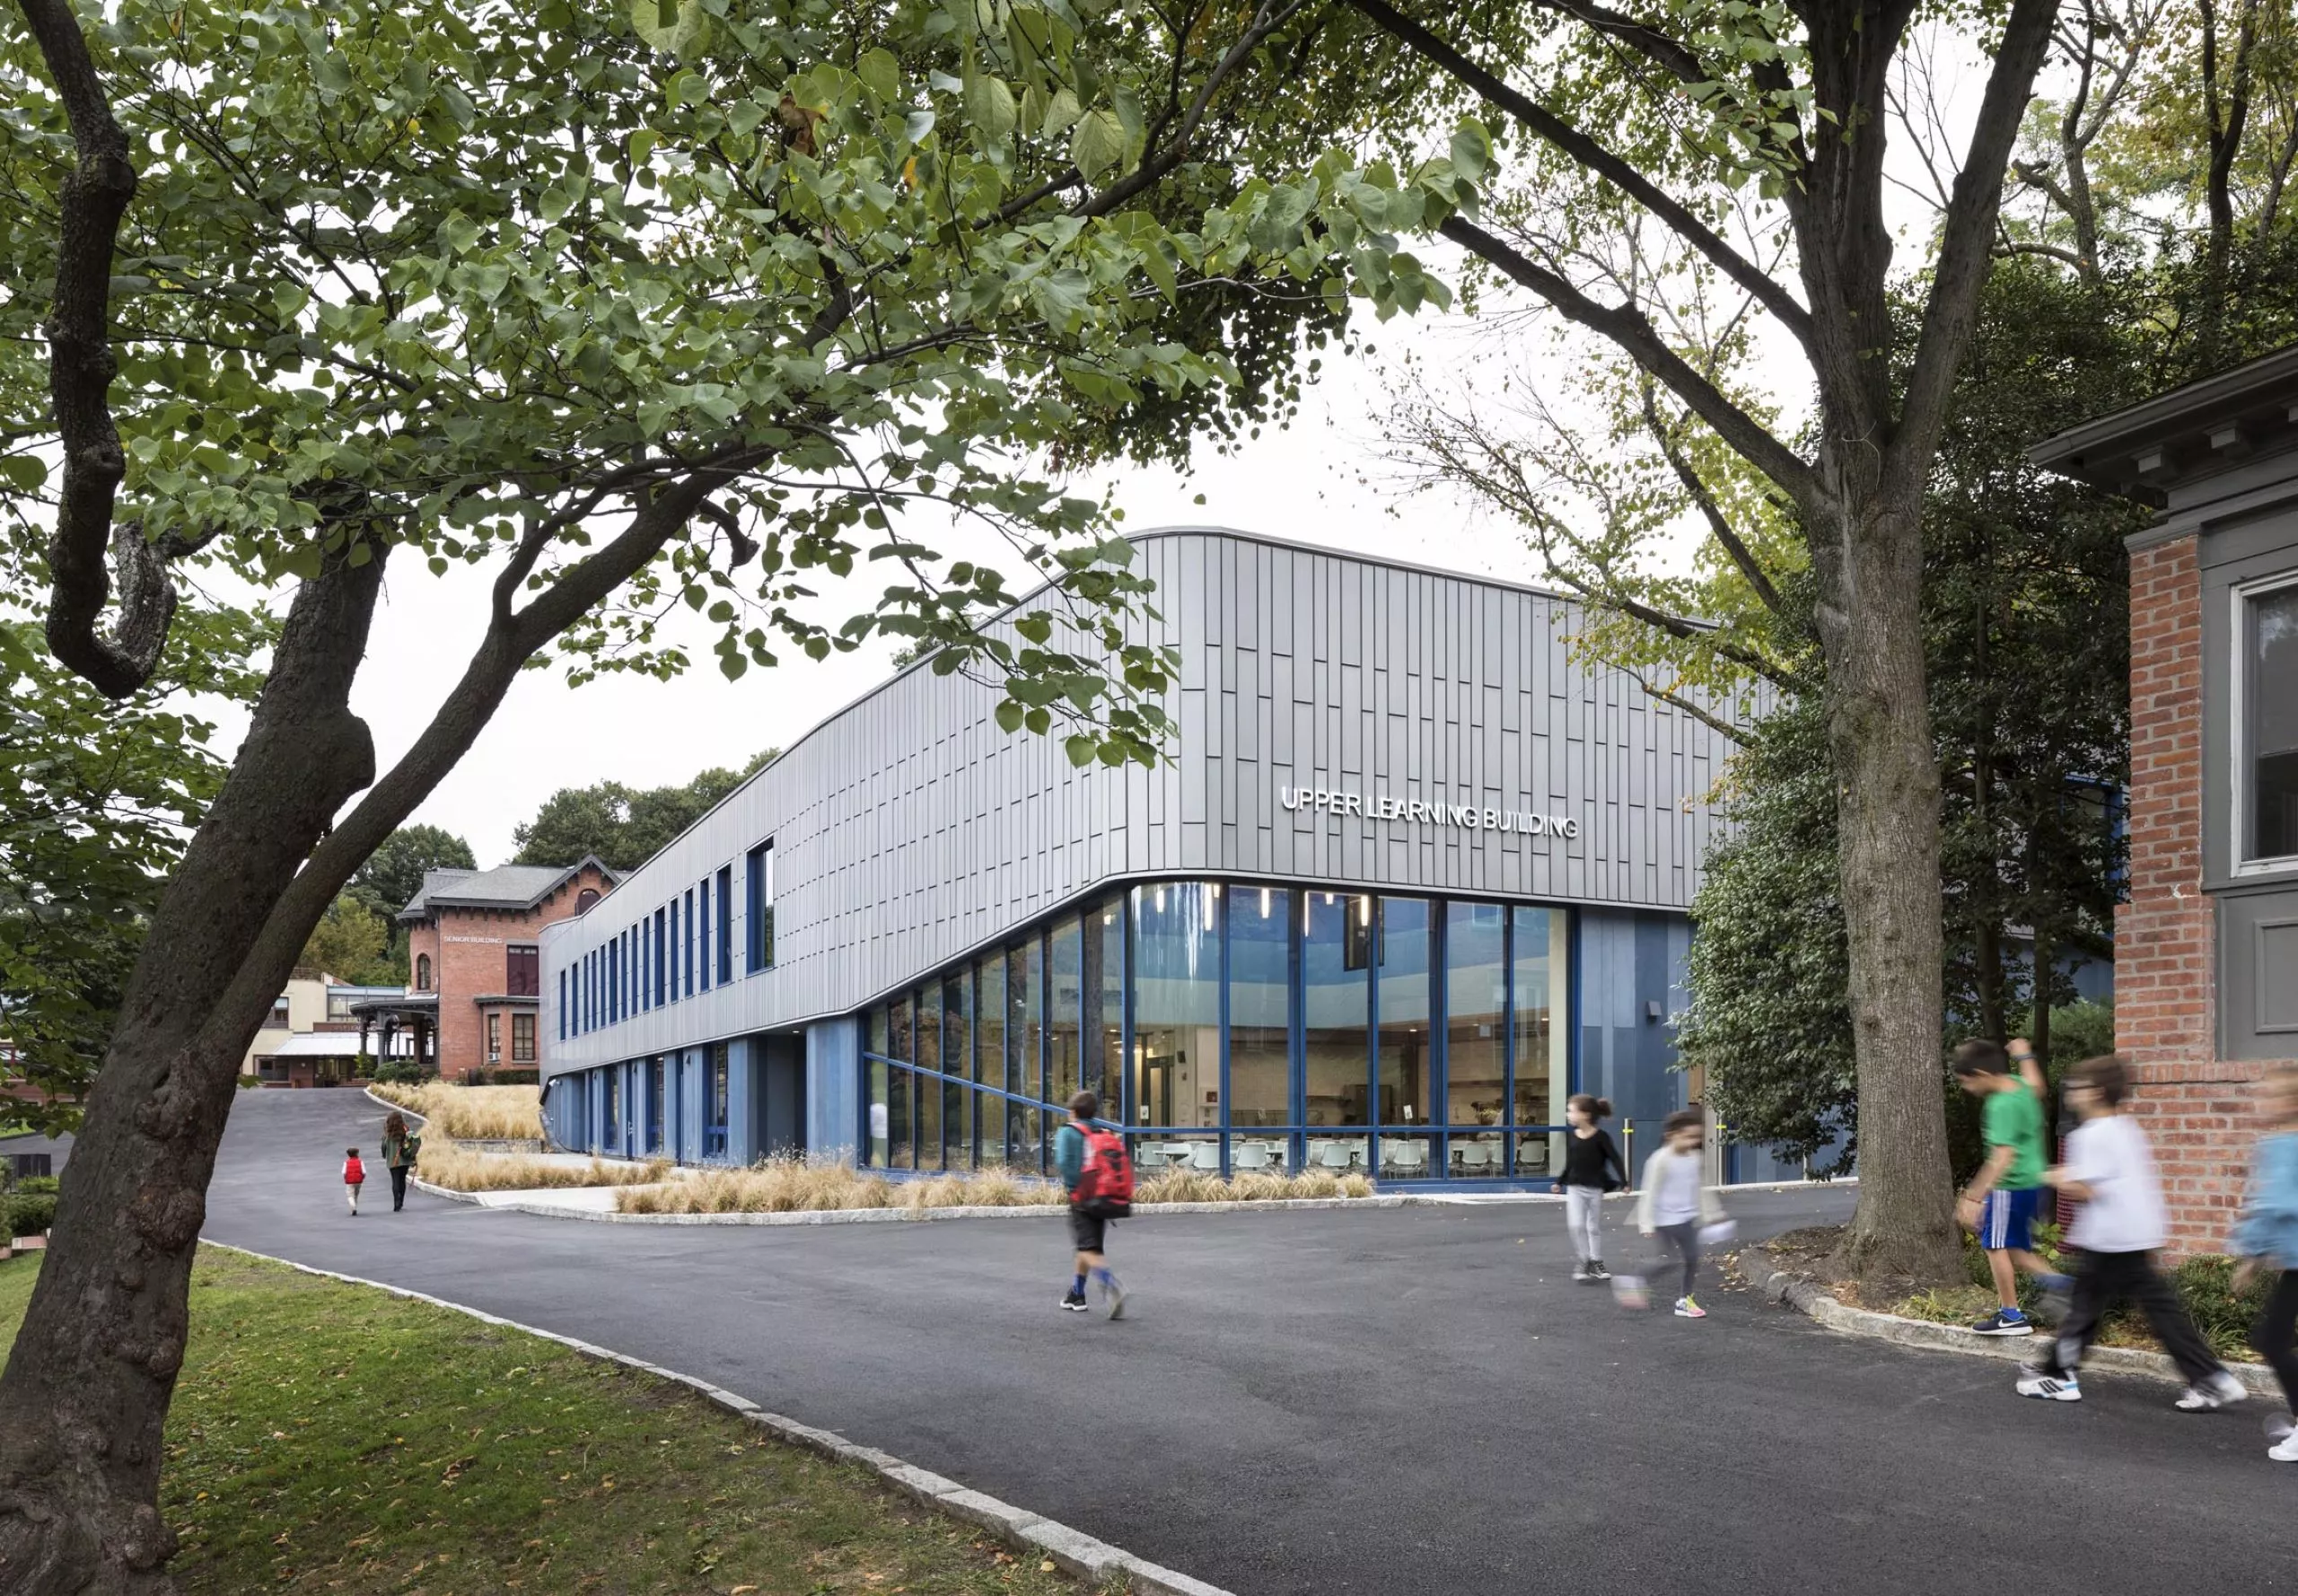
(81, 366)
(1718, 526)
(1669, 54)
(1152, 170)
(1767, 290)
(1628, 327)
(1737, 735)
(1966, 240)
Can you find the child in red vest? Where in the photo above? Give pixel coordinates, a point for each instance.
(355, 1176)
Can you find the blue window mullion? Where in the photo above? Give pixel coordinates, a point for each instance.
(1221, 962)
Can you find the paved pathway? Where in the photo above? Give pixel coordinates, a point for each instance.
(1394, 1402)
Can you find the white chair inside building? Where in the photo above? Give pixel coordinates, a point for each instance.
(1333, 1157)
(1473, 1158)
(1249, 1156)
(1404, 1158)
(1205, 1156)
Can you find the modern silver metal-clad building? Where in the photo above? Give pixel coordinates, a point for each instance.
(1410, 877)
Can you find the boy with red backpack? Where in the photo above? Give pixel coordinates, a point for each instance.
(1098, 1178)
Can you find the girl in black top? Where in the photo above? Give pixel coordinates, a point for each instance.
(1591, 1167)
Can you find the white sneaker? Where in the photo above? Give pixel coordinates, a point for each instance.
(2049, 1387)
(2286, 1451)
(2221, 1389)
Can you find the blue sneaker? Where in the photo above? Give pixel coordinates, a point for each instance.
(2005, 1322)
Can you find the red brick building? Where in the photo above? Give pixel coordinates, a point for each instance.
(474, 972)
(2206, 946)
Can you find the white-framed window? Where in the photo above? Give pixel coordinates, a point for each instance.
(2265, 721)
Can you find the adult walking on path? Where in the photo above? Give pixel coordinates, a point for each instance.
(400, 1147)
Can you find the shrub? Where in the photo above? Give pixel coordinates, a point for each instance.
(443, 1163)
(396, 1072)
(792, 1184)
(470, 1113)
(49, 1184)
(249, 1083)
(30, 1213)
(2207, 1285)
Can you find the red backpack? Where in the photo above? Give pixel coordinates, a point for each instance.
(1105, 1183)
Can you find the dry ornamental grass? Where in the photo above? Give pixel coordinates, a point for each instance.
(795, 1185)
(444, 1164)
(472, 1113)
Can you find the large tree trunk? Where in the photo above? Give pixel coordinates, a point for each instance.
(1870, 565)
(88, 1382)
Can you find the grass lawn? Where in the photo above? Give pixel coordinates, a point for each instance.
(330, 1438)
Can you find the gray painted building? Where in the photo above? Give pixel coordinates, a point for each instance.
(1410, 876)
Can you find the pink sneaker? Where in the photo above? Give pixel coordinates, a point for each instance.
(1686, 1308)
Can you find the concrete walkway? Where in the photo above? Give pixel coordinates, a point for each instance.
(1396, 1402)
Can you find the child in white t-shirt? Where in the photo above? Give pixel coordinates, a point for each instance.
(2109, 1169)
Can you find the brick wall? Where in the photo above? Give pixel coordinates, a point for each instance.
(2198, 1110)
(468, 947)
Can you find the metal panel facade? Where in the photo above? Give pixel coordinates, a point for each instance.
(908, 829)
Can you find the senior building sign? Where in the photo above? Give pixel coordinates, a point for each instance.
(1382, 806)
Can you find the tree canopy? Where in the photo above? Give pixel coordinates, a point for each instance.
(696, 303)
(622, 826)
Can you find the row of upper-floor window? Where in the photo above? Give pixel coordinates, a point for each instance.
(521, 970)
(685, 946)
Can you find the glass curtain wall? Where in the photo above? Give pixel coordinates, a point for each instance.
(1241, 1027)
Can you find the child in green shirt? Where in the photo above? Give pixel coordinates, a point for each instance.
(2005, 1198)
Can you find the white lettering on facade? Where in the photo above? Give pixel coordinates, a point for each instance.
(1380, 806)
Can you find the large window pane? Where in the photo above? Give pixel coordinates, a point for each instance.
(957, 1058)
(1260, 995)
(1025, 1022)
(2270, 729)
(1335, 931)
(1103, 987)
(1065, 979)
(1476, 995)
(1405, 1046)
(881, 1124)
(929, 1088)
(1538, 978)
(899, 1152)
(898, 1043)
(989, 1056)
(1176, 1003)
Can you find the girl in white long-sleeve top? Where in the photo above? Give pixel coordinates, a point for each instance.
(1674, 1204)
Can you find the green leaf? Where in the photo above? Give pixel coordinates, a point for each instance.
(1080, 749)
(1097, 145)
(989, 107)
(879, 74)
(1060, 111)
(679, 27)
(1471, 150)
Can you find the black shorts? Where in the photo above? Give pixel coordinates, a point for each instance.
(1086, 1230)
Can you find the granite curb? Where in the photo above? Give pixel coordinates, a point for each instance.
(1794, 1289)
(1024, 1531)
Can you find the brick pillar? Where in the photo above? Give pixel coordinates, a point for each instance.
(2197, 1109)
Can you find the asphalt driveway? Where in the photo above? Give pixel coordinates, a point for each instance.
(1382, 1401)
